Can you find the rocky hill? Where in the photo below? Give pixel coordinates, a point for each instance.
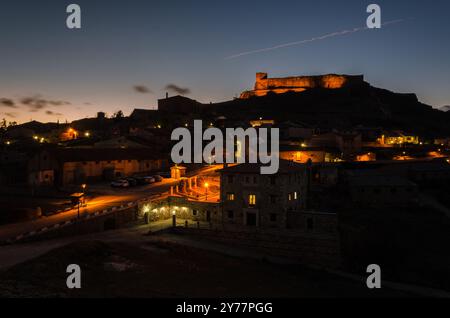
(343, 108)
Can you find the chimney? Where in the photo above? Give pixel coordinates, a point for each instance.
(167, 95)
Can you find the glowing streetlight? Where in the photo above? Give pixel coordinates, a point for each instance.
(87, 134)
(83, 186)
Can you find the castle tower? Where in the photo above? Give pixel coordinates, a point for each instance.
(261, 81)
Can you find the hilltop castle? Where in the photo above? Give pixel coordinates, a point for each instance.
(264, 85)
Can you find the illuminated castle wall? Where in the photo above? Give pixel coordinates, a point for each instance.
(264, 85)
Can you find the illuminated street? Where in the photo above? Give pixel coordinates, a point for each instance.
(110, 198)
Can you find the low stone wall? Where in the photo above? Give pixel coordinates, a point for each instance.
(110, 219)
(306, 248)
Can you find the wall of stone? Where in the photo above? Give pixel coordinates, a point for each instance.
(264, 85)
(305, 248)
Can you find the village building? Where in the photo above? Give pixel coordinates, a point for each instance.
(255, 200)
(65, 166)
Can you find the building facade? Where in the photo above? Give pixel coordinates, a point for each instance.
(251, 199)
(68, 166)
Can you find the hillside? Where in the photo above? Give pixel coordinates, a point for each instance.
(343, 108)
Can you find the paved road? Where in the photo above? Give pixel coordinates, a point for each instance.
(99, 203)
(106, 197)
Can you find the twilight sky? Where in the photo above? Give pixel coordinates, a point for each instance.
(128, 52)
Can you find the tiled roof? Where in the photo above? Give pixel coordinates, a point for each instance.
(284, 167)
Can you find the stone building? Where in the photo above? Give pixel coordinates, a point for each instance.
(251, 199)
(265, 85)
(65, 166)
(377, 190)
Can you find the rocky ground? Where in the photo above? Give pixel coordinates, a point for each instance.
(161, 268)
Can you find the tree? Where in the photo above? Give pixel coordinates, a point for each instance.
(118, 114)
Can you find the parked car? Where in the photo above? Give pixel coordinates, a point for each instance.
(120, 184)
(158, 178)
(140, 180)
(149, 180)
(132, 181)
(164, 174)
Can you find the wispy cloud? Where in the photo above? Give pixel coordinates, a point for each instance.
(11, 115)
(177, 89)
(142, 89)
(36, 103)
(314, 39)
(7, 102)
(52, 113)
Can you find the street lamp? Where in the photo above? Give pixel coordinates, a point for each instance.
(83, 186)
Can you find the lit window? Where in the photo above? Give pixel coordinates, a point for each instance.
(290, 197)
(295, 195)
(252, 199)
(230, 196)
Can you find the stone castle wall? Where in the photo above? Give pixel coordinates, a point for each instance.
(264, 85)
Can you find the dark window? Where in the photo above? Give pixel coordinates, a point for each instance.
(119, 161)
(273, 180)
(393, 190)
(230, 214)
(84, 163)
(247, 179)
(255, 179)
(147, 165)
(273, 217)
(194, 212)
(230, 179)
(273, 199)
(251, 219)
(97, 162)
(309, 223)
(44, 158)
(377, 190)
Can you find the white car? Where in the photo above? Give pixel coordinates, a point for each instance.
(120, 184)
(149, 180)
